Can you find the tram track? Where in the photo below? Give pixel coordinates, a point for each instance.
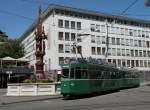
(106, 105)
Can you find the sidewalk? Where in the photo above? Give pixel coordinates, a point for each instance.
(144, 87)
(17, 99)
(145, 84)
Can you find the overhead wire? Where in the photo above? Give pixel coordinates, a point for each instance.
(14, 14)
(125, 10)
(47, 3)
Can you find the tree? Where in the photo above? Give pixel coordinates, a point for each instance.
(12, 48)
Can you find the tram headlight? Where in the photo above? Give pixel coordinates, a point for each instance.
(65, 85)
(72, 84)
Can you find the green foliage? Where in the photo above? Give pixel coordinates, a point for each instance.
(2, 39)
(37, 81)
(11, 48)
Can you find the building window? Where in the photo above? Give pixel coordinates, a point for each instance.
(109, 51)
(123, 52)
(79, 49)
(113, 41)
(132, 63)
(130, 32)
(79, 25)
(118, 41)
(126, 31)
(119, 63)
(140, 43)
(98, 40)
(61, 60)
(143, 34)
(135, 33)
(131, 42)
(132, 53)
(139, 33)
(93, 51)
(60, 36)
(127, 52)
(148, 53)
(67, 36)
(113, 51)
(102, 28)
(122, 31)
(145, 63)
(148, 63)
(92, 27)
(127, 42)
(73, 37)
(118, 52)
(79, 38)
(122, 41)
(66, 60)
(61, 48)
(67, 48)
(103, 40)
(103, 51)
(147, 44)
(73, 49)
(123, 63)
(144, 53)
(97, 28)
(147, 34)
(114, 61)
(109, 40)
(135, 43)
(144, 44)
(140, 53)
(92, 39)
(137, 63)
(136, 53)
(60, 23)
(109, 60)
(99, 50)
(72, 24)
(141, 63)
(66, 24)
(128, 63)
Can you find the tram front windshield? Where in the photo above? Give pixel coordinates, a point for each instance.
(65, 73)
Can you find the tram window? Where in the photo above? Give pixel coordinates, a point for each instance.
(99, 75)
(84, 74)
(78, 73)
(103, 74)
(65, 73)
(72, 73)
(113, 75)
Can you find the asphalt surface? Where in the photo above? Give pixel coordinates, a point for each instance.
(129, 99)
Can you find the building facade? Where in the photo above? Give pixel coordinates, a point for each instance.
(120, 40)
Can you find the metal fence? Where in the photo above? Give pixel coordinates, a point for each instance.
(145, 76)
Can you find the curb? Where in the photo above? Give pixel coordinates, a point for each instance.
(40, 99)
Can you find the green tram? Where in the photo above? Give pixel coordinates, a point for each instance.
(82, 77)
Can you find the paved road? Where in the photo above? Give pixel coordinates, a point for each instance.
(138, 98)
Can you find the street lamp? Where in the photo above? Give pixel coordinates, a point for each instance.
(75, 44)
(147, 3)
(107, 37)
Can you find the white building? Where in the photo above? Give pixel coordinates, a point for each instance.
(129, 39)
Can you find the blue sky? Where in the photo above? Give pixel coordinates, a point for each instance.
(17, 15)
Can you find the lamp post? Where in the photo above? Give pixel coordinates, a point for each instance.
(107, 40)
(75, 46)
(147, 3)
(107, 37)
